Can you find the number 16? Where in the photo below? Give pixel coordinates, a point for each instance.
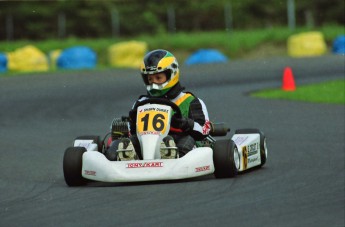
(157, 122)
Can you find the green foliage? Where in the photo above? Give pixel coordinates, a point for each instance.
(234, 44)
(37, 20)
(328, 92)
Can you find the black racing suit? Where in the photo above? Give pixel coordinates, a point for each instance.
(194, 125)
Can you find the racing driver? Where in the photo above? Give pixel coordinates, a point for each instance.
(160, 73)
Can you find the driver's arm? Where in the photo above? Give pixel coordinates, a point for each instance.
(197, 123)
(198, 112)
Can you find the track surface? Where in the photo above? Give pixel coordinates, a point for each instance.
(302, 183)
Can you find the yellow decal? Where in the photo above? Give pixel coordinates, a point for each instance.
(165, 62)
(180, 100)
(152, 121)
(245, 157)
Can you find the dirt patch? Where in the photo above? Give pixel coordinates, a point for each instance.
(264, 51)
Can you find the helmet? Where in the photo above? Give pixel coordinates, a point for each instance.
(158, 61)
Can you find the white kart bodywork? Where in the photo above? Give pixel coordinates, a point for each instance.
(195, 163)
(248, 146)
(198, 162)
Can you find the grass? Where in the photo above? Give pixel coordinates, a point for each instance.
(236, 44)
(327, 92)
(259, 43)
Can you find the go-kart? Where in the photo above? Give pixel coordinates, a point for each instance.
(86, 160)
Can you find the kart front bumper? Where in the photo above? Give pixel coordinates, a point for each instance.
(197, 162)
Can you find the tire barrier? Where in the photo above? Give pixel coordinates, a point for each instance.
(27, 59)
(79, 57)
(206, 56)
(306, 44)
(339, 45)
(127, 54)
(3, 63)
(53, 56)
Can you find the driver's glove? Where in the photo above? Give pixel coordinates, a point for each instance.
(184, 123)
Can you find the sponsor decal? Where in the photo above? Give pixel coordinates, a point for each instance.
(90, 172)
(250, 160)
(162, 110)
(152, 121)
(148, 109)
(154, 109)
(202, 168)
(83, 143)
(240, 139)
(149, 133)
(151, 68)
(248, 151)
(252, 149)
(144, 165)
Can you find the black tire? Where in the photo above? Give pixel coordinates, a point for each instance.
(263, 150)
(223, 159)
(72, 165)
(96, 139)
(263, 146)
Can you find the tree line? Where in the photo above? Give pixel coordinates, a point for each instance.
(37, 20)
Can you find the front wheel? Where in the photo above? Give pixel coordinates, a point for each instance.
(226, 159)
(72, 165)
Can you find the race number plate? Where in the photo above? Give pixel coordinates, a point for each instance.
(153, 119)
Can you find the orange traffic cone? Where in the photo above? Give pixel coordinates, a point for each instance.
(288, 80)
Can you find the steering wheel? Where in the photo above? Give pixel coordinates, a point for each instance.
(160, 101)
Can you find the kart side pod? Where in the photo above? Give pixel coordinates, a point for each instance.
(251, 144)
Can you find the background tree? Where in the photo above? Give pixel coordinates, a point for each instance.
(94, 19)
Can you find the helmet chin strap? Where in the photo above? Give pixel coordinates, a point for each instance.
(156, 86)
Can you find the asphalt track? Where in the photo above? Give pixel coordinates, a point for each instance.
(302, 183)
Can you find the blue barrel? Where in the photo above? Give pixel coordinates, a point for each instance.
(206, 56)
(79, 57)
(3, 63)
(339, 45)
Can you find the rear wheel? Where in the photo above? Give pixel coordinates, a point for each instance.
(263, 145)
(263, 150)
(72, 165)
(226, 159)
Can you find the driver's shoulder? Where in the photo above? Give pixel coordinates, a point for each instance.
(142, 98)
(183, 95)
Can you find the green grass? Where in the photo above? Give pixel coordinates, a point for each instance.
(236, 44)
(327, 92)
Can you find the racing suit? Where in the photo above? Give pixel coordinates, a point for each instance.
(193, 126)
